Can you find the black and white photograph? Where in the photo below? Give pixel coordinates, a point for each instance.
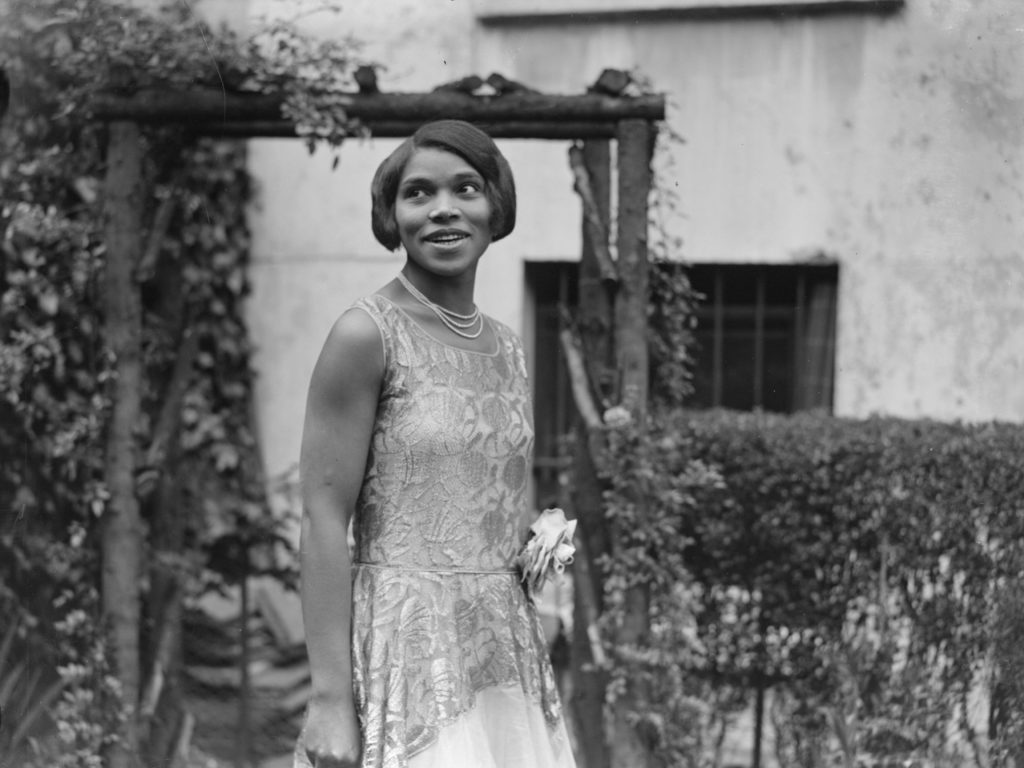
(512, 383)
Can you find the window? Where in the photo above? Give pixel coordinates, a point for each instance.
(549, 286)
(765, 339)
(766, 336)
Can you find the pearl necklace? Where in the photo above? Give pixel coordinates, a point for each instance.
(453, 321)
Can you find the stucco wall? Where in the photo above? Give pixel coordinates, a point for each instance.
(889, 143)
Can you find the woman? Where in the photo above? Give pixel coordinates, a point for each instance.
(425, 650)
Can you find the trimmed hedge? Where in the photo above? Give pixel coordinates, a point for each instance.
(868, 572)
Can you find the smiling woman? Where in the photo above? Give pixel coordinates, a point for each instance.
(425, 650)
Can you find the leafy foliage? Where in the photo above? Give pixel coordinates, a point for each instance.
(54, 364)
(859, 568)
(62, 53)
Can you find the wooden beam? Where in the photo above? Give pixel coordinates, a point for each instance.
(194, 108)
(386, 129)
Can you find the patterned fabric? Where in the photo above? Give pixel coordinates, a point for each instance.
(439, 614)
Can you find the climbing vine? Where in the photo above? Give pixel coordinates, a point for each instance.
(199, 481)
(672, 301)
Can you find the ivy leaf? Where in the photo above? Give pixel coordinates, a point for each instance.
(49, 302)
(87, 188)
(236, 282)
(225, 457)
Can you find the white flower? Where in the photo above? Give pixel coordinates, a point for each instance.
(549, 548)
(617, 416)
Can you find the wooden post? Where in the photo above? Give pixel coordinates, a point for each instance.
(635, 146)
(122, 537)
(595, 326)
(596, 294)
(636, 140)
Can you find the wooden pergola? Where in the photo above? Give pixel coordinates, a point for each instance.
(519, 114)
(607, 351)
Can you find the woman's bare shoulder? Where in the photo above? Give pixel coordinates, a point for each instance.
(355, 326)
(353, 348)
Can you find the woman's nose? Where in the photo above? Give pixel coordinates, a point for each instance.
(443, 209)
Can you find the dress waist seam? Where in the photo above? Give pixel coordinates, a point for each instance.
(424, 569)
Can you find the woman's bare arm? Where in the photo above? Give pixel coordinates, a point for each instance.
(340, 412)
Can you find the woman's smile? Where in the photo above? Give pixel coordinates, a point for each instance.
(447, 238)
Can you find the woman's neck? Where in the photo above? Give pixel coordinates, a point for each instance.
(454, 293)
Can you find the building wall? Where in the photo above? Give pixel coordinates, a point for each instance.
(889, 143)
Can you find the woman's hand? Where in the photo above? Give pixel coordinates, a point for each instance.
(331, 737)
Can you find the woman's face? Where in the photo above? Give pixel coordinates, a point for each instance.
(442, 212)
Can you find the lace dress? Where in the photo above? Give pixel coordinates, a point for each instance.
(449, 659)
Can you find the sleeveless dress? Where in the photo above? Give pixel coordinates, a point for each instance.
(450, 664)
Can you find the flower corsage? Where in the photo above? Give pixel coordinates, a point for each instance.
(548, 549)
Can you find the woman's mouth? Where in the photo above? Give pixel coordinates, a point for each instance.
(448, 237)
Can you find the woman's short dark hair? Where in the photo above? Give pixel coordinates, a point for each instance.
(462, 139)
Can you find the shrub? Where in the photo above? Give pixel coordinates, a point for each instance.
(855, 567)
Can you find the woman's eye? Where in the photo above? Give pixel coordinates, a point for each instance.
(469, 188)
(414, 193)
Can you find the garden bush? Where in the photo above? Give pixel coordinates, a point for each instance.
(863, 571)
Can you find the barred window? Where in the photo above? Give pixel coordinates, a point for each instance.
(766, 336)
